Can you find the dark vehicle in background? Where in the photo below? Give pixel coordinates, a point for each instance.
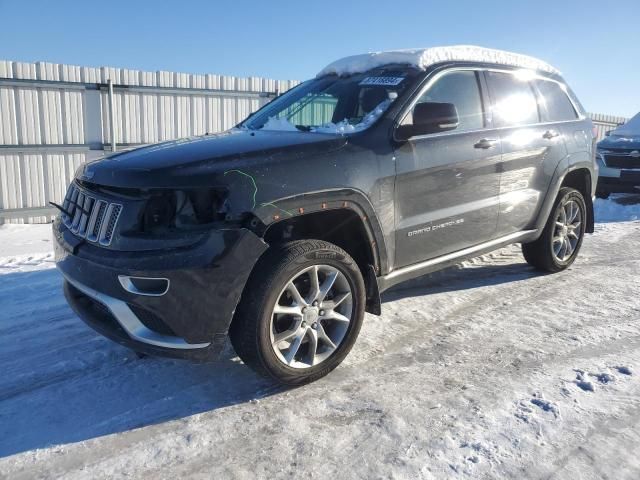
(618, 156)
(283, 231)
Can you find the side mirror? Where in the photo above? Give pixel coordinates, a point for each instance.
(430, 117)
(608, 133)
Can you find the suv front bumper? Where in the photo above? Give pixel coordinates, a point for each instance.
(187, 319)
(624, 181)
(617, 180)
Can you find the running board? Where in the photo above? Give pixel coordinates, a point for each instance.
(422, 268)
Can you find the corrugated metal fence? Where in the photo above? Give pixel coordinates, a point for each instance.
(54, 117)
(604, 123)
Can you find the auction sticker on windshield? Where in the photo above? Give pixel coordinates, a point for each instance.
(382, 81)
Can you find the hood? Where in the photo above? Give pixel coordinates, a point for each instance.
(620, 142)
(629, 129)
(196, 161)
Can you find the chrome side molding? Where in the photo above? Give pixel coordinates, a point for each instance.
(511, 238)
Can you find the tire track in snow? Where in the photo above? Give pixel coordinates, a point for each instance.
(438, 400)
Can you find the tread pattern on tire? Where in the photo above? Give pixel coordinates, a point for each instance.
(538, 253)
(243, 332)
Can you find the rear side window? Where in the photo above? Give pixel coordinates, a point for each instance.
(462, 90)
(514, 102)
(554, 102)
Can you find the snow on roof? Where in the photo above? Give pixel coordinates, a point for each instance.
(425, 57)
(631, 128)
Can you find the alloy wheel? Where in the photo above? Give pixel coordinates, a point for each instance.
(567, 231)
(311, 316)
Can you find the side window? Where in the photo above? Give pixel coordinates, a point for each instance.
(514, 102)
(554, 102)
(462, 90)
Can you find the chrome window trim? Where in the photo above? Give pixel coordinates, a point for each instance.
(534, 75)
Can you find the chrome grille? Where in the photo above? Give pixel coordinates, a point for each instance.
(89, 217)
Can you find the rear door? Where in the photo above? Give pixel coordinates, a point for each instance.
(531, 148)
(447, 183)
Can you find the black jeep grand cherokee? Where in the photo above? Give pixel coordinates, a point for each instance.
(283, 231)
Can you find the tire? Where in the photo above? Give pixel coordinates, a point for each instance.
(315, 337)
(544, 253)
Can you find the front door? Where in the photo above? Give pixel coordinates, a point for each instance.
(447, 184)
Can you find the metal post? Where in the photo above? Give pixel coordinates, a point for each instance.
(111, 116)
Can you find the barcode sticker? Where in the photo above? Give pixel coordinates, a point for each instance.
(385, 81)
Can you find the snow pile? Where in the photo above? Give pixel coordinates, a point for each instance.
(345, 127)
(425, 57)
(17, 239)
(279, 124)
(618, 208)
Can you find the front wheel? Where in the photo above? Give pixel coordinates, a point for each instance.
(300, 313)
(561, 239)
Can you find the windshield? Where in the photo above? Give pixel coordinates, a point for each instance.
(333, 104)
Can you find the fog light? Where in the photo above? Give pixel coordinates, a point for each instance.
(151, 287)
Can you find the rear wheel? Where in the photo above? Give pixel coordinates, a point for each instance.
(300, 313)
(561, 239)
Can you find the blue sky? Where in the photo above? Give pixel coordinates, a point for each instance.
(595, 44)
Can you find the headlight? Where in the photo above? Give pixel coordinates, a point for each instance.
(182, 209)
(160, 211)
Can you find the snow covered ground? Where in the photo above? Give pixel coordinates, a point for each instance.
(486, 370)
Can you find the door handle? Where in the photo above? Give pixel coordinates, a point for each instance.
(549, 134)
(486, 143)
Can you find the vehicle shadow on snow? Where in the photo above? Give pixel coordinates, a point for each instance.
(626, 199)
(65, 383)
(618, 207)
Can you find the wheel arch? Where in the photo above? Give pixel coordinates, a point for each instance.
(342, 217)
(580, 179)
(348, 202)
(578, 175)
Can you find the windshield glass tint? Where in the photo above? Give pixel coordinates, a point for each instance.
(333, 104)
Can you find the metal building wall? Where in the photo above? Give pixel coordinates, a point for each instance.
(604, 123)
(54, 117)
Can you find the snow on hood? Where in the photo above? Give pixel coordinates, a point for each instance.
(425, 57)
(629, 129)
